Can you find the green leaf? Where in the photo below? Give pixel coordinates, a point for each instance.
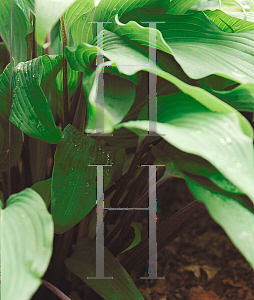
(219, 137)
(4, 57)
(38, 155)
(178, 7)
(195, 40)
(16, 141)
(1, 138)
(241, 97)
(194, 165)
(47, 13)
(228, 23)
(231, 215)
(73, 182)
(82, 264)
(23, 6)
(72, 81)
(83, 30)
(118, 98)
(77, 10)
(131, 58)
(26, 244)
(43, 188)
(247, 16)
(21, 28)
(51, 65)
(137, 228)
(4, 87)
(30, 110)
(30, 5)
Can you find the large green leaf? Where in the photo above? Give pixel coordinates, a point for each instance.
(217, 138)
(83, 30)
(30, 4)
(77, 10)
(132, 58)
(82, 263)
(30, 110)
(247, 16)
(26, 244)
(197, 44)
(73, 181)
(47, 13)
(231, 215)
(178, 7)
(241, 97)
(21, 28)
(194, 165)
(228, 23)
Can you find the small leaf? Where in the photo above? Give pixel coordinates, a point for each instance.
(26, 244)
(137, 228)
(43, 188)
(82, 264)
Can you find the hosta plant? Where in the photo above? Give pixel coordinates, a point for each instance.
(125, 85)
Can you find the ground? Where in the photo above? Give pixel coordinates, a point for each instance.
(202, 264)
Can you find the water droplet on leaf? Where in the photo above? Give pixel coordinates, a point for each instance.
(222, 141)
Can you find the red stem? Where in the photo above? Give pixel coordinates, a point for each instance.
(55, 290)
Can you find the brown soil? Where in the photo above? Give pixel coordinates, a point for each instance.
(202, 264)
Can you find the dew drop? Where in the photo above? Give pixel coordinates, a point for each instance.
(23, 215)
(228, 140)
(222, 141)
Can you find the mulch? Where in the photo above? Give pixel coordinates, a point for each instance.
(202, 264)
